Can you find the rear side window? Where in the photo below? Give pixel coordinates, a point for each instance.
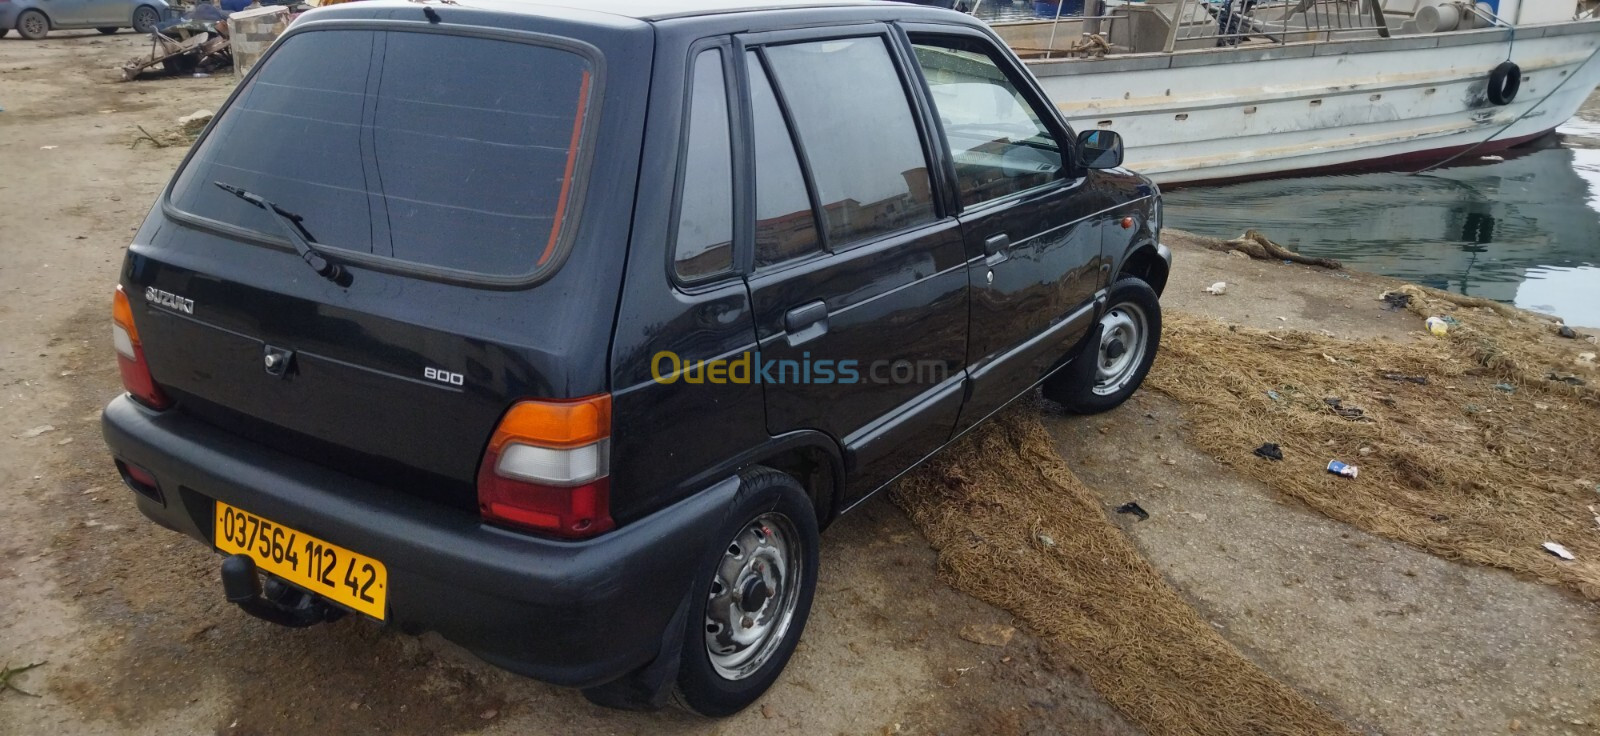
(854, 121)
(786, 227)
(704, 245)
(431, 149)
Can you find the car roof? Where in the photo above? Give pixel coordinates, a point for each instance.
(649, 10)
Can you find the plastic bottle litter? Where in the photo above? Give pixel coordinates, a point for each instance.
(1437, 326)
(1345, 469)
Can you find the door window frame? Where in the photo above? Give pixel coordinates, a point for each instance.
(915, 98)
(1072, 172)
(733, 89)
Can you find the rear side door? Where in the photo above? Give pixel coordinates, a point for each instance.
(1031, 222)
(858, 278)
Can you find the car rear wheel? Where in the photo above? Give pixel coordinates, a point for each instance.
(145, 19)
(108, 30)
(1130, 334)
(32, 25)
(752, 598)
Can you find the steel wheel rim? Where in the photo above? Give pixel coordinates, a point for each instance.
(144, 17)
(754, 593)
(1124, 330)
(33, 25)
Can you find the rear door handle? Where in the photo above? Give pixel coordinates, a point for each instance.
(996, 249)
(806, 322)
(996, 244)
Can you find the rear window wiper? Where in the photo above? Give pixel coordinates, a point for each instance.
(299, 237)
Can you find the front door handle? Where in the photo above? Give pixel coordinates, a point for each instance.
(806, 322)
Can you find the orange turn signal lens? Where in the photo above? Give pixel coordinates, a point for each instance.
(556, 423)
(122, 313)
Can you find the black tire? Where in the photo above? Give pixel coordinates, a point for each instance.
(4, 31)
(145, 18)
(1107, 373)
(108, 30)
(773, 510)
(33, 25)
(1504, 82)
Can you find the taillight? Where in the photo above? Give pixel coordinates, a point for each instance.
(547, 468)
(130, 355)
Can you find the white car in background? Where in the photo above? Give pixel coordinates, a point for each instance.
(32, 19)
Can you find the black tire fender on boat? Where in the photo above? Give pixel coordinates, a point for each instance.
(1504, 81)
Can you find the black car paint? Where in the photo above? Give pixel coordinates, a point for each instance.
(319, 450)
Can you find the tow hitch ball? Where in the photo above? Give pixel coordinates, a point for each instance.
(277, 601)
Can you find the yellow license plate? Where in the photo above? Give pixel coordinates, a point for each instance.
(326, 569)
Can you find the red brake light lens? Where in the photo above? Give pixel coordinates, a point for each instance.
(547, 468)
(136, 376)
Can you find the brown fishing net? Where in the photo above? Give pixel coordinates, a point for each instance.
(1479, 446)
(1015, 528)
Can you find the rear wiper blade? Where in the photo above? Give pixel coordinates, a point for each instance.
(302, 241)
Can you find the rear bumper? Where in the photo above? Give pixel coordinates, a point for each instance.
(570, 613)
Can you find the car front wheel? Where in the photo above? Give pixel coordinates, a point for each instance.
(752, 597)
(32, 25)
(145, 19)
(1130, 334)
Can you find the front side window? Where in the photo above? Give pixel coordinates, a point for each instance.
(382, 150)
(854, 120)
(704, 245)
(998, 142)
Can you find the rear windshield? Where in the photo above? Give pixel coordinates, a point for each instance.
(435, 150)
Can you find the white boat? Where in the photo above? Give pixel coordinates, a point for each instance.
(1315, 84)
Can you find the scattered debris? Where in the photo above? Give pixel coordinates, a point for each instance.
(1270, 451)
(1045, 539)
(1217, 289)
(1567, 379)
(8, 672)
(1274, 395)
(1437, 326)
(1134, 508)
(1252, 243)
(1506, 387)
(194, 44)
(1364, 451)
(1396, 299)
(1585, 359)
(48, 148)
(1558, 551)
(1419, 380)
(35, 432)
(1344, 469)
(990, 635)
(1567, 332)
(196, 119)
(1348, 412)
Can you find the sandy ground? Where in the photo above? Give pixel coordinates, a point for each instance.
(137, 639)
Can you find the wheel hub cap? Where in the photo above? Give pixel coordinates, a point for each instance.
(754, 592)
(1123, 334)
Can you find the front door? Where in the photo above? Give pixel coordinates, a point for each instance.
(1032, 229)
(859, 276)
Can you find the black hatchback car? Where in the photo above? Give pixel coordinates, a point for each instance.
(561, 328)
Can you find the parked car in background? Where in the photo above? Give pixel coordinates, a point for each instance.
(646, 295)
(33, 19)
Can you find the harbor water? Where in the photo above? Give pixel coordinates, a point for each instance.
(1520, 226)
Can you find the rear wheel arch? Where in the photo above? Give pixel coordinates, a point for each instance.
(818, 469)
(1144, 262)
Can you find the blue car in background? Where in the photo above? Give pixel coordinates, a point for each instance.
(33, 19)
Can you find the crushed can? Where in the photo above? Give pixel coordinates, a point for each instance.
(1345, 469)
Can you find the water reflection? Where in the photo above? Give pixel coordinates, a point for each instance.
(1521, 227)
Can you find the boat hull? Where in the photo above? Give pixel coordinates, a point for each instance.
(1239, 113)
